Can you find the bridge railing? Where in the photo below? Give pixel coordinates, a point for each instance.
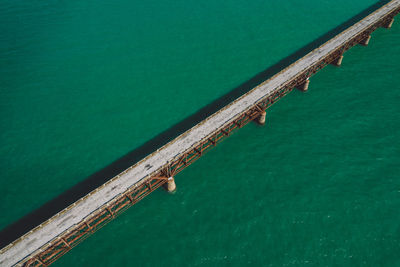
(112, 209)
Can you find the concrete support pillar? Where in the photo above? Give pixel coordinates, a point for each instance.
(171, 186)
(338, 62)
(365, 41)
(389, 24)
(304, 86)
(261, 119)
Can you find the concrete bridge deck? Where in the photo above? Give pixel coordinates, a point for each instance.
(156, 166)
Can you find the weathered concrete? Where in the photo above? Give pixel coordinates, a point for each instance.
(261, 119)
(171, 186)
(31, 242)
(304, 86)
(389, 25)
(365, 42)
(338, 61)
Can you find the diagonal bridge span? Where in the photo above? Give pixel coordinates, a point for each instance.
(56, 236)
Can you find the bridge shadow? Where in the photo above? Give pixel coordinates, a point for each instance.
(36, 217)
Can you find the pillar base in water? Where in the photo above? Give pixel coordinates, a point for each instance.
(365, 41)
(389, 24)
(171, 186)
(261, 119)
(338, 62)
(304, 86)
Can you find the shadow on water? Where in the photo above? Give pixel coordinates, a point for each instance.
(36, 217)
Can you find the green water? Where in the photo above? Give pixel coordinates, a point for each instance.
(83, 83)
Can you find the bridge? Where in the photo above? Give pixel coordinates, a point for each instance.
(53, 238)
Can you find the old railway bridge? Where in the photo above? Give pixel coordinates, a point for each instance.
(50, 240)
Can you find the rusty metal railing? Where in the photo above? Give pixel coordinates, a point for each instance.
(72, 237)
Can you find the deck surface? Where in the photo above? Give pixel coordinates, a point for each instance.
(84, 207)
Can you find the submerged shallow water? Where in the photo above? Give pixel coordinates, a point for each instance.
(84, 83)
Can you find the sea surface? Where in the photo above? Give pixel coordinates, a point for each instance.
(83, 83)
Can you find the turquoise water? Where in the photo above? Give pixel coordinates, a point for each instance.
(83, 83)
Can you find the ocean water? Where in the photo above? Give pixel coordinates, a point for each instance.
(84, 83)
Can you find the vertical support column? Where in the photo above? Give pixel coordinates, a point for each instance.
(365, 41)
(171, 186)
(338, 62)
(389, 24)
(261, 118)
(304, 86)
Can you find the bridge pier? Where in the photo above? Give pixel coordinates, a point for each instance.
(338, 62)
(304, 86)
(365, 41)
(64, 230)
(261, 119)
(171, 186)
(389, 24)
